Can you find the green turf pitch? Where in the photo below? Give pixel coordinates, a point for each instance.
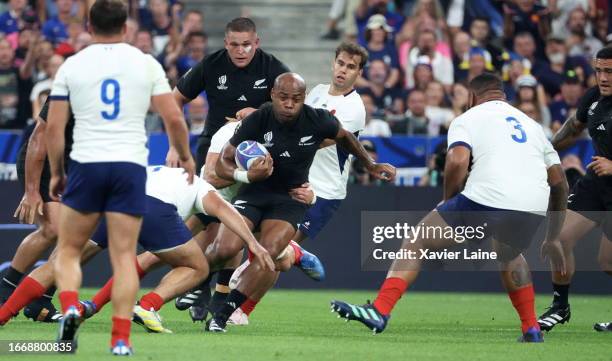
(298, 325)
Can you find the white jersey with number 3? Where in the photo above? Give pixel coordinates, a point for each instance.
(330, 168)
(510, 154)
(109, 87)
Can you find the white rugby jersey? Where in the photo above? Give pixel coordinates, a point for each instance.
(170, 185)
(510, 154)
(330, 168)
(109, 87)
(217, 142)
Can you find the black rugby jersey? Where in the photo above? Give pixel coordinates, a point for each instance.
(44, 111)
(292, 146)
(228, 87)
(596, 111)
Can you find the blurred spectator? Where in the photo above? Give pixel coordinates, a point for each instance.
(375, 125)
(533, 112)
(512, 70)
(15, 87)
(527, 16)
(131, 28)
(406, 40)
(75, 28)
(460, 98)
(435, 167)
(429, 11)
(462, 12)
(415, 121)
(144, 41)
(423, 73)
(368, 8)
(156, 19)
(82, 41)
(359, 174)
(529, 91)
(192, 22)
(45, 85)
(561, 11)
(525, 46)
(436, 110)
(461, 54)
(12, 21)
(338, 7)
(197, 109)
(480, 61)
(441, 64)
(43, 51)
(481, 38)
(55, 29)
(389, 100)
(195, 51)
(380, 47)
(579, 40)
(571, 92)
(574, 170)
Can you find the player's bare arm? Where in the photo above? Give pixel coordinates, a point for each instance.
(456, 170)
(172, 158)
(216, 206)
(567, 135)
(176, 129)
(57, 120)
(226, 166)
(211, 176)
(32, 202)
(602, 166)
(348, 141)
(557, 205)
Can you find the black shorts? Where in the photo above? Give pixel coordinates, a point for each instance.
(45, 177)
(201, 150)
(257, 204)
(206, 219)
(591, 197)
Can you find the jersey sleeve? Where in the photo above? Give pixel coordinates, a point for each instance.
(250, 129)
(356, 121)
(329, 126)
(203, 189)
(158, 77)
(458, 134)
(551, 157)
(59, 89)
(192, 83)
(221, 137)
(585, 102)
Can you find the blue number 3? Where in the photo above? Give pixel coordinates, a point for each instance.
(113, 100)
(517, 125)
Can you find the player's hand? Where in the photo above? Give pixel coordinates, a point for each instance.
(263, 257)
(261, 169)
(189, 166)
(57, 186)
(554, 251)
(245, 112)
(304, 194)
(383, 171)
(30, 205)
(601, 166)
(172, 158)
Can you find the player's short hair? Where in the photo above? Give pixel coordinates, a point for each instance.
(107, 17)
(486, 82)
(353, 49)
(604, 53)
(241, 25)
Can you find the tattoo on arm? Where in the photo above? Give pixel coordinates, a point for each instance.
(566, 136)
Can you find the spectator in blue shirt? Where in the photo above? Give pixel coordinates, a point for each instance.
(368, 8)
(56, 28)
(380, 47)
(11, 20)
(571, 92)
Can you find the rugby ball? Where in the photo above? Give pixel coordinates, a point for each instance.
(247, 152)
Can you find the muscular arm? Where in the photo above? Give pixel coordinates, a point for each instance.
(35, 157)
(215, 206)
(567, 135)
(54, 138)
(226, 164)
(211, 176)
(349, 142)
(456, 170)
(557, 202)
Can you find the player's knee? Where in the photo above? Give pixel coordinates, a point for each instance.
(220, 252)
(49, 232)
(283, 265)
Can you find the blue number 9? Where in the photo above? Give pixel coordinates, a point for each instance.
(113, 100)
(517, 125)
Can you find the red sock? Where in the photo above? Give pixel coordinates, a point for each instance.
(151, 301)
(103, 296)
(523, 301)
(248, 306)
(390, 292)
(68, 299)
(121, 330)
(28, 290)
(298, 252)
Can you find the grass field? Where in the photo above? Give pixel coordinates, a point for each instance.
(297, 325)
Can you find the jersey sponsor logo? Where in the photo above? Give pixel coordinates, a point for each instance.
(222, 81)
(285, 154)
(258, 84)
(601, 127)
(268, 140)
(592, 108)
(303, 141)
(242, 98)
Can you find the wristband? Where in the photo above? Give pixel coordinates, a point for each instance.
(241, 176)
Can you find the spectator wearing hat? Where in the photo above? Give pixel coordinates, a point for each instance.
(375, 125)
(579, 39)
(423, 73)
(380, 47)
(442, 65)
(526, 16)
(367, 8)
(530, 91)
(571, 92)
(478, 61)
(388, 100)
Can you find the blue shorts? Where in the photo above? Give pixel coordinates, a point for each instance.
(513, 228)
(318, 215)
(106, 187)
(162, 228)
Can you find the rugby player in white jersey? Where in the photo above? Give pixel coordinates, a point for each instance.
(110, 85)
(515, 178)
